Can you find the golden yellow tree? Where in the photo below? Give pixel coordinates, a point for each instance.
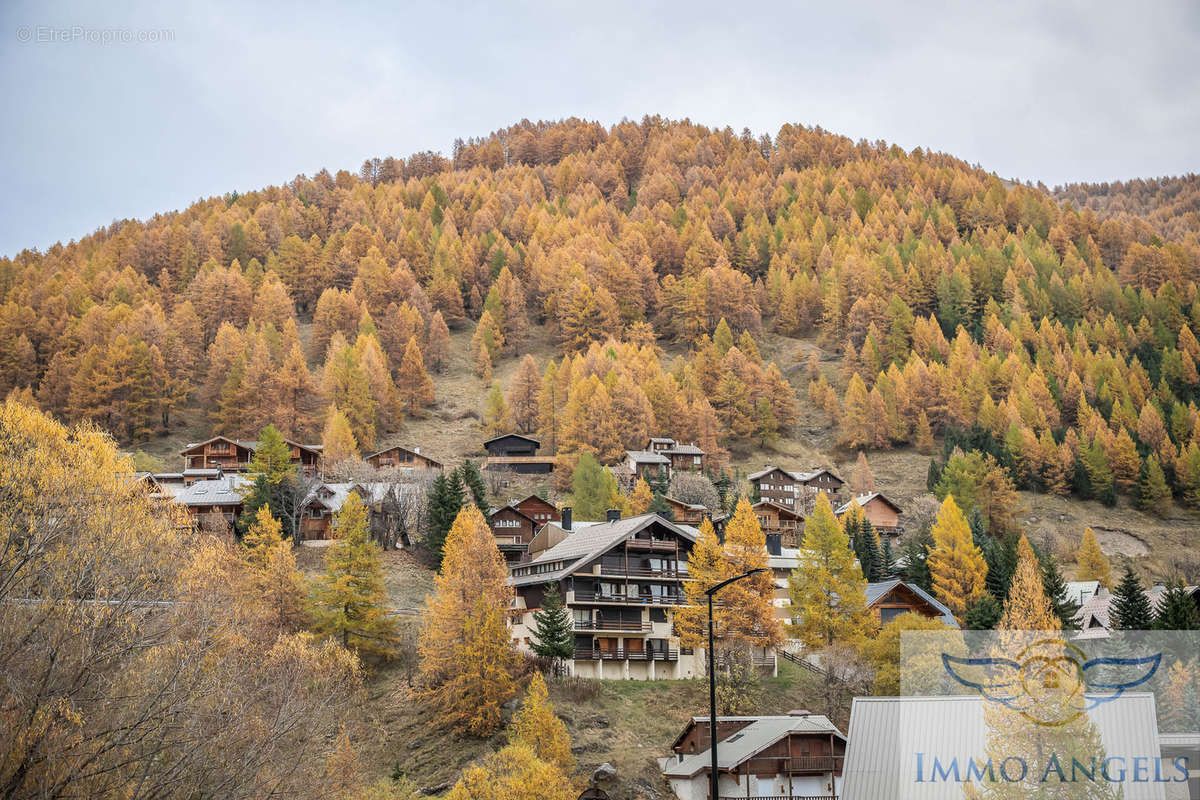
(468, 663)
(706, 568)
(642, 498)
(1027, 608)
(1092, 563)
(514, 773)
(748, 610)
(535, 726)
(827, 588)
(337, 443)
(956, 565)
(278, 585)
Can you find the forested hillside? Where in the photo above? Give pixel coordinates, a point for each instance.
(1055, 346)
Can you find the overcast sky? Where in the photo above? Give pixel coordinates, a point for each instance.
(234, 98)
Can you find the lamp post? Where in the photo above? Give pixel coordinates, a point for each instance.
(712, 678)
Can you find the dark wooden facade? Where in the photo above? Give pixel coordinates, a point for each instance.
(776, 485)
(513, 531)
(398, 456)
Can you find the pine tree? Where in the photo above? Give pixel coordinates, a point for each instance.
(887, 560)
(1130, 608)
(445, 501)
(468, 663)
(956, 566)
(1176, 610)
(472, 479)
(984, 614)
(349, 598)
(272, 457)
(916, 560)
(1092, 564)
(1027, 608)
(413, 384)
(535, 726)
(553, 632)
(1055, 586)
(827, 588)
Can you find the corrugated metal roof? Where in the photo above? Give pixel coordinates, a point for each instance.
(223, 491)
(886, 733)
(748, 741)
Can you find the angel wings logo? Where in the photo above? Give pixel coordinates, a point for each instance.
(1051, 681)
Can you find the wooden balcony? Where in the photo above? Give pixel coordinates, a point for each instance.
(623, 599)
(637, 572)
(623, 654)
(650, 544)
(614, 625)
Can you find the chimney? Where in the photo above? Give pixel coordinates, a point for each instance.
(775, 544)
(614, 514)
(566, 518)
(417, 449)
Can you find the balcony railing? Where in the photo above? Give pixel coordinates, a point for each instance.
(651, 544)
(815, 764)
(638, 572)
(622, 654)
(648, 600)
(613, 625)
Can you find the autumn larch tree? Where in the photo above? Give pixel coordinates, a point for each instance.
(523, 396)
(496, 417)
(534, 725)
(413, 383)
(338, 442)
(592, 489)
(1027, 608)
(956, 566)
(278, 585)
(827, 588)
(272, 456)
(1091, 563)
(297, 395)
(349, 598)
(642, 498)
(468, 664)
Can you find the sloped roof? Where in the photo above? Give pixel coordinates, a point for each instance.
(647, 457)
(249, 444)
(689, 506)
(515, 435)
(886, 733)
(415, 451)
(879, 589)
(223, 491)
(780, 507)
(761, 733)
(587, 541)
(804, 477)
(1099, 606)
(863, 499)
(685, 450)
(766, 471)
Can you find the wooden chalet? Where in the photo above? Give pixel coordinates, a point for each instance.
(403, 457)
(647, 465)
(513, 530)
(619, 579)
(538, 509)
(682, 456)
(799, 755)
(514, 452)
(686, 513)
(890, 599)
(780, 519)
(234, 455)
(776, 485)
(216, 504)
(821, 480)
(882, 513)
(326, 499)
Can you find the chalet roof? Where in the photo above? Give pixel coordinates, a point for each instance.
(1099, 607)
(886, 731)
(880, 589)
(416, 451)
(587, 541)
(534, 496)
(863, 499)
(661, 440)
(767, 470)
(688, 506)
(514, 436)
(249, 444)
(647, 457)
(684, 450)
(761, 733)
(509, 507)
(223, 491)
(334, 495)
(201, 472)
(780, 507)
(805, 477)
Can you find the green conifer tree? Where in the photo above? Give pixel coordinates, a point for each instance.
(1130, 609)
(472, 479)
(1176, 610)
(553, 632)
(272, 456)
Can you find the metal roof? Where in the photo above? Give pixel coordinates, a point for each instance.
(886, 733)
(745, 743)
(684, 450)
(766, 471)
(224, 491)
(863, 499)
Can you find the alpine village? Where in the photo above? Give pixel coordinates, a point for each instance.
(413, 481)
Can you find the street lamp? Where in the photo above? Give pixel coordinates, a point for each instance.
(712, 678)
